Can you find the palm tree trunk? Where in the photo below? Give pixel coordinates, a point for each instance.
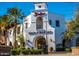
(15, 41)
(0, 35)
(6, 37)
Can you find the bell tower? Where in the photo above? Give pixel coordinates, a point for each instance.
(40, 6)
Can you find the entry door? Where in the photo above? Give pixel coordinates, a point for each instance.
(40, 43)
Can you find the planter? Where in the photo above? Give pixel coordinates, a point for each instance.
(5, 50)
(75, 51)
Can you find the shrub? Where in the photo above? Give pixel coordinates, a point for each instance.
(37, 51)
(68, 49)
(29, 51)
(40, 51)
(15, 51)
(21, 49)
(24, 52)
(32, 51)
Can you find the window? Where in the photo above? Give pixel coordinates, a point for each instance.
(51, 40)
(57, 23)
(18, 30)
(39, 6)
(50, 22)
(10, 43)
(10, 32)
(39, 23)
(26, 25)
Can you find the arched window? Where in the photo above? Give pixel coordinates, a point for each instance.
(26, 25)
(39, 23)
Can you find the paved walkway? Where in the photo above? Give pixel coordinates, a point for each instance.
(63, 54)
(55, 54)
(58, 54)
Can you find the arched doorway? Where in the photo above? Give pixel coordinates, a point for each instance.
(66, 44)
(77, 42)
(40, 42)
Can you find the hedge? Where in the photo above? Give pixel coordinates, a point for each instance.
(25, 51)
(15, 51)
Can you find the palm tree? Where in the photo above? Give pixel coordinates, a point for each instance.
(70, 31)
(16, 13)
(69, 34)
(72, 26)
(0, 28)
(21, 40)
(3, 27)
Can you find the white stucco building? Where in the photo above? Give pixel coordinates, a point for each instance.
(42, 29)
(11, 34)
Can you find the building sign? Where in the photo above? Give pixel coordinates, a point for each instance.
(41, 32)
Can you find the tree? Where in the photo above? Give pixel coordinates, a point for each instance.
(72, 27)
(76, 28)
(3, 27)
(21, 40)
(70, 31)
(16, 13)
(0, 28)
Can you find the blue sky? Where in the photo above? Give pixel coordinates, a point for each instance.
(65, 8)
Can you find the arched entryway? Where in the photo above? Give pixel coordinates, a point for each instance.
(77, 42)
(40, 42)
(66, 44)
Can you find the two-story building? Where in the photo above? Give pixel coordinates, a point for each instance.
(42, 29)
